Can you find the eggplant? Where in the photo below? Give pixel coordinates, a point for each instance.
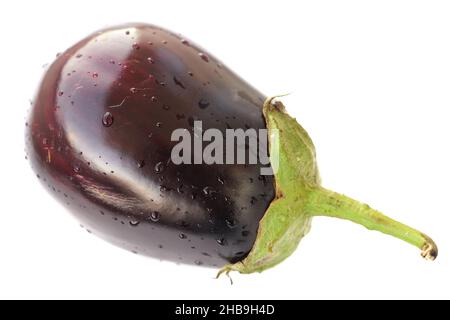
(100, 138)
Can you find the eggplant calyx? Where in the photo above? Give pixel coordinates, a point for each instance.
(299, 197)
(293, 160)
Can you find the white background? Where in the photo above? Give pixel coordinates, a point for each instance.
(371, 84)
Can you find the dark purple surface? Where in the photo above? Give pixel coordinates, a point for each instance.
(99, 138)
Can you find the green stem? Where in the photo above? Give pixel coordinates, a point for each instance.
(322, 202)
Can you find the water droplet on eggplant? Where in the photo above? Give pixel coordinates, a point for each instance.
(203, 103)
(203, 56)
(155, 216)
(134, 223)
(108, 119)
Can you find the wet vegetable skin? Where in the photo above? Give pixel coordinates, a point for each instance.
(99, 138)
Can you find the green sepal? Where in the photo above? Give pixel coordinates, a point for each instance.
(299, 197)
(285, 221)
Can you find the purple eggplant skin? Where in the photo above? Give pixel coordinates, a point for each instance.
(99, 137)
